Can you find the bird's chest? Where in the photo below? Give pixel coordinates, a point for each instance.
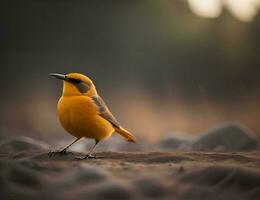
(76, 114)
(79, 116)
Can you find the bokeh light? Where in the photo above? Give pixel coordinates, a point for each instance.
(208, 8)
(244, 10)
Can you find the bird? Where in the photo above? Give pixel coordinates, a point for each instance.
(83, 113)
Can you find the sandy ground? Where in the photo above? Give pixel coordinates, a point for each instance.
(146, 175)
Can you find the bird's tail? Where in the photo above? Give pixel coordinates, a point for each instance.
(124, 133)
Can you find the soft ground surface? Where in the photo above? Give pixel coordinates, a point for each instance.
(185, 175)
(222, 163)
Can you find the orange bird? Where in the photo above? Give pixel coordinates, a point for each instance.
(83, 113)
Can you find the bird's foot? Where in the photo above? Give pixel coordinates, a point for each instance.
(63, 152)
(87, 157)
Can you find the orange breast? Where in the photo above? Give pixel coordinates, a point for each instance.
(78, 115)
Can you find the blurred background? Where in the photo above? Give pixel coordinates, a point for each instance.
(162, 66)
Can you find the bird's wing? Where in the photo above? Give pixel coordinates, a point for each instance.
(104, 111)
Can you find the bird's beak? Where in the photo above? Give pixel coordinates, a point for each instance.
(59, 76)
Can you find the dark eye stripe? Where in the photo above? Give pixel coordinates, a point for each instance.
(74, 80)
(82, 87)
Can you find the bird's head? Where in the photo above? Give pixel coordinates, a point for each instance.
(76, 84)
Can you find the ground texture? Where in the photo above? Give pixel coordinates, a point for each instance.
(114, 175)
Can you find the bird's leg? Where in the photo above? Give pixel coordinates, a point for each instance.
(91, 150)
(64, 151)
(89, 156)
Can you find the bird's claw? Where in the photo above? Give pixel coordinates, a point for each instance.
(63, 152)
(51, 153)
(86, 157)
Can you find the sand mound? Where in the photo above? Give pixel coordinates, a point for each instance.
(221, 182)
(173, 143)
(229, 137)
(20, 143)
